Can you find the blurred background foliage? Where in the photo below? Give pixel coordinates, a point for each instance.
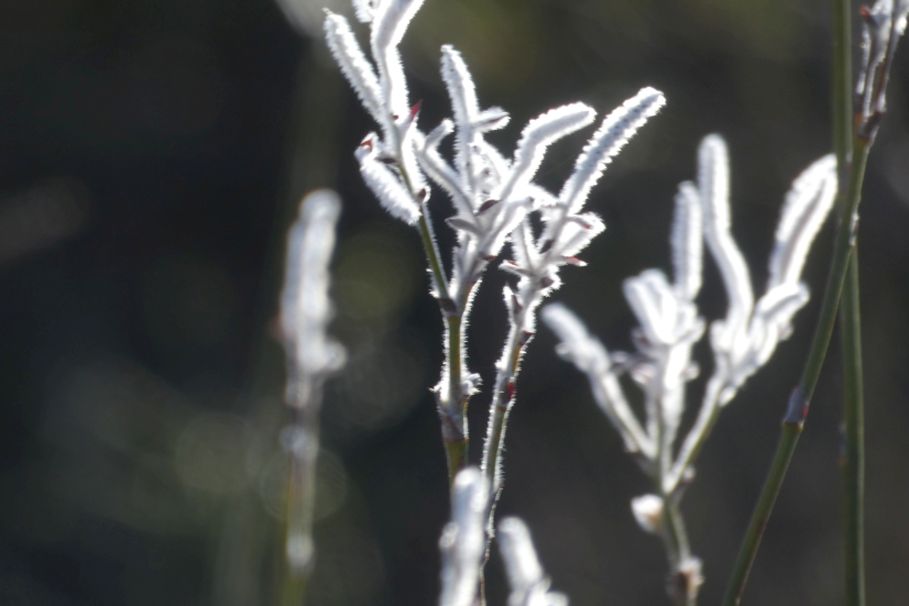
(151, 155)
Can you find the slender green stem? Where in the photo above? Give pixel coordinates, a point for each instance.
(752, 540)
(841, 90)
(433, 257)
(454, 431)
(453, 405)
(301, 437)
(850, 324)
(800, 400)
(502, 398)
(683, 583)
(842, 251)
(699, 432)
(853, 468)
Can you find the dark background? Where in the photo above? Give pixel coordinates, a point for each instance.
(151, 156)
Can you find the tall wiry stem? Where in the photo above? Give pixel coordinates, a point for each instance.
(884, 24)
(853, 451)
(311, 357)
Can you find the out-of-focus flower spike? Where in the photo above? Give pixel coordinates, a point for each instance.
(773, 322)
(463, 540)
(590, 357)
(651, 300)
(529, 584)
(311, 355)
(305, 306)
(778, 306)
(386, 185)
(807, 205)
(538, 135)
(365, 9)
(353, 63)
(616, 130)
(686, 239)
(713, 179)
(713, 185)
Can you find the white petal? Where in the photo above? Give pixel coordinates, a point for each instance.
(387, 186)
(653, 302)
(537, 136)
(616, 130)
(576, 233)
(438, 170)
(590, 357)
(687, 242)
(353, 63)
(389, 24)
(365, 9)
(807, 205)
(713, 185)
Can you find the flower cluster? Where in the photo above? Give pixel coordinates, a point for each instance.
(670, 324)
(495, 198)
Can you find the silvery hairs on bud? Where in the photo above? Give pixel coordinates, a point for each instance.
(382, 89)
(567, 231)
(537, 259)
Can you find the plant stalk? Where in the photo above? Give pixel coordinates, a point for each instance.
(800, 399)
(453, 413)
(853, 461)
(788, 439)
(457, 441)
(502, 398)
(683, 583)
(301, 440)
(854, 447)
